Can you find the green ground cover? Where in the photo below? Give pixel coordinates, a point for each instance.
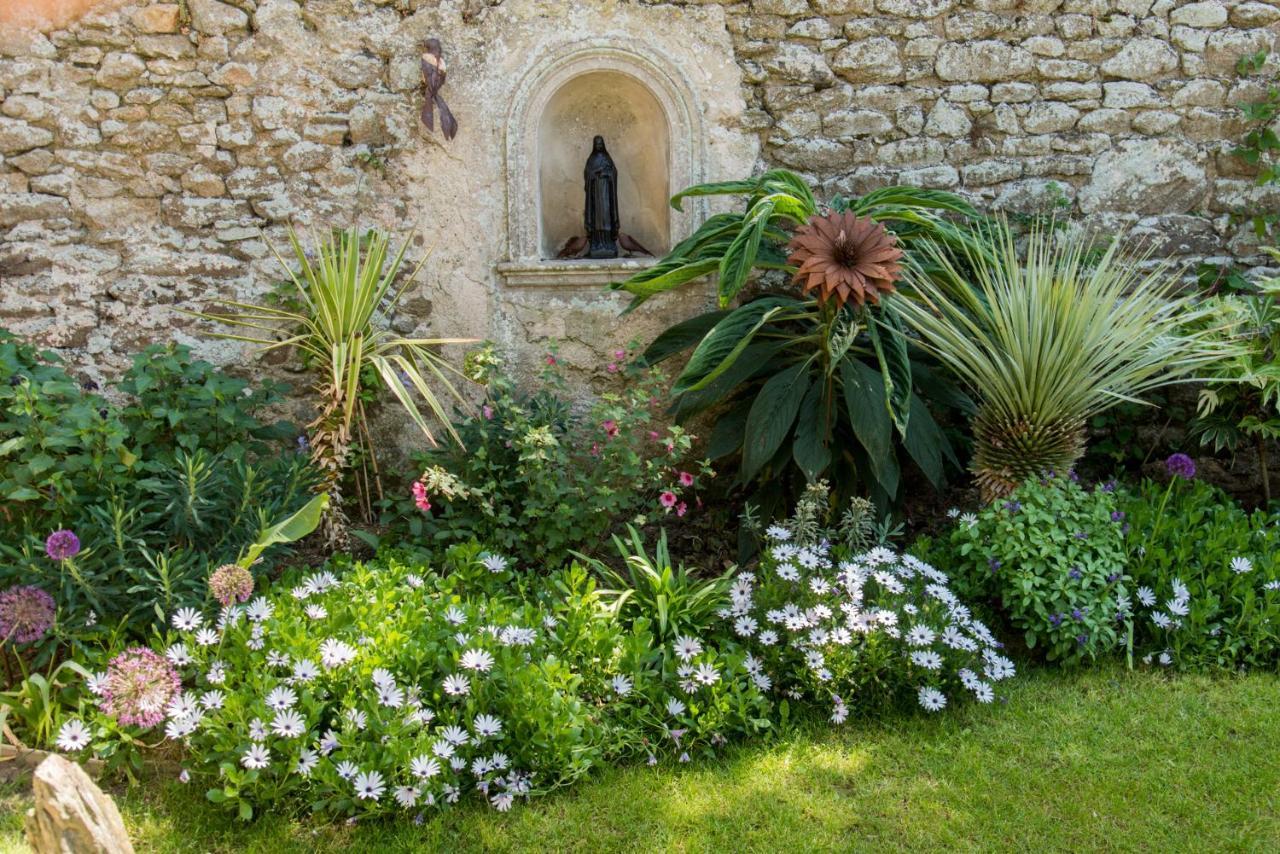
(1092, 760)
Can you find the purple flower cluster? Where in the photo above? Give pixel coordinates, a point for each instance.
(1180, 465)
(231, 583)
(62, 545)
(26, 613)
(138, 686)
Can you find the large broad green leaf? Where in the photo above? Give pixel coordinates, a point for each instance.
(290, 530)
(740, 257)
(715, 188)
(729, 431)
(682, 336)
(771, 417)
(755, 361)
(925, 442)
(890, 345)
(864, 401)
(812, 445)
(726, 341)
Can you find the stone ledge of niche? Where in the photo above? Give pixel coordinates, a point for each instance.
(582, 273)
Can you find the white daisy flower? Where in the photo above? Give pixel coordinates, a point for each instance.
(931, 699)
(259, 610)
(179, 728)
(675, 708)
(316, 612)
(307, 761)
(455, 616)
(73, 736)
(206, 637)
(456, 685)
(707, 674)
(406, 796)
(187, 620)
(304, 670)
(477, 659)
(443, 748)
(493, 563)
(1241, 565)
(983, 692)
(217, 673)
(777, 532)
(486, 726)
(768, 637)
(369, 786)
(968, 519)
(336, 653)
(502, 801)
(328, 742)
(424, 767)
(358, 719)
(1146, 596)
(921, 635)
(455, 735)
(414, 581)
(212, 699)
(289, 724)
(178, 654)
(622, 685)
(346, 769)
(390, 696)
(686, 647)
(745, 626)
(257, 756)
(281, 698)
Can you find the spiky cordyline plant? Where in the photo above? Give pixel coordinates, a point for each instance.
(345, 292)
(1047, 338)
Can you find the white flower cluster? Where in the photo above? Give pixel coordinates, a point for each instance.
(809, 613)
(308, 717)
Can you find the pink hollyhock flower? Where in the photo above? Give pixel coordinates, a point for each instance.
(420, 496)
(667, 499)
(487, 412)
(653, 435)
(612, 367)
(610, 428)
(682, 509)
(619, 354)
(686, 479)
(551, 360)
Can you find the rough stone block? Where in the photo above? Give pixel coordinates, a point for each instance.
(214, 18)
(71, 813)
(158, 18)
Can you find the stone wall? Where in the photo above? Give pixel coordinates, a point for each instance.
(149, 154)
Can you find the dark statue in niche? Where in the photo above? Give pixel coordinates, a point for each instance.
(604, 235)
(601, 215)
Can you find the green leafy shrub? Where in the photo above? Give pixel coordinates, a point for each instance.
(828, 619)
(536, 478)
(177, 477)
(1207, 576)
(1052, 555)
(806, 388)
(391, 688)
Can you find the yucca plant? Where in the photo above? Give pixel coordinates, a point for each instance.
(1048, 337)
(801, 387)
(339, 321)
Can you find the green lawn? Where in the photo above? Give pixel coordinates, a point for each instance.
(1103, 759)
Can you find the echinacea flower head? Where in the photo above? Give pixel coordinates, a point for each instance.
(62, 545)
(1180, 465)
(26, 613)
(231, 583)
(138, 687)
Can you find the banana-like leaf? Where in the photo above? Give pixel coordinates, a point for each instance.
(895, 366)
(682, 336)
(289, 530)
(740, 257)
(811, 447)
(863, 391)
(726, 341)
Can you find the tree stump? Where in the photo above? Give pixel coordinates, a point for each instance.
(71, 814)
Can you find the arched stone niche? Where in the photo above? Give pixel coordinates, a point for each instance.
(651, 123)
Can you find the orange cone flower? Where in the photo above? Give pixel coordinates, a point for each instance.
(845, 258)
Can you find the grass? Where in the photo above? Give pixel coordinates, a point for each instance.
(1098, 760)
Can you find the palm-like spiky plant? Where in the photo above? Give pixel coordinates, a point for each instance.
(1047, 338)
(345, 293)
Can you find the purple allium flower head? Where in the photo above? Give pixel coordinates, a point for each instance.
(62, 545)
(26, 613)
(138, 687)
(231, 583)
(1180, 465)
(1075, 572)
